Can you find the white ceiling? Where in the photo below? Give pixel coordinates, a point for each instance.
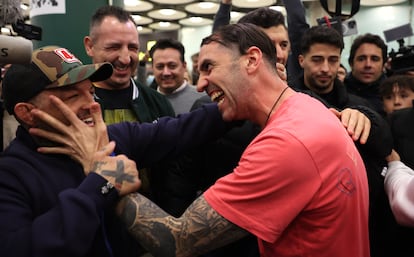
(153, 15)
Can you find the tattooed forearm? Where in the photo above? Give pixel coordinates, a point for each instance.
(199, 230)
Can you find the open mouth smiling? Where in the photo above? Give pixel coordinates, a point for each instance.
(89, 121)
(217, 96)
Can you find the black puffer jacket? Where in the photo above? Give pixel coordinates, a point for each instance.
(367, 91)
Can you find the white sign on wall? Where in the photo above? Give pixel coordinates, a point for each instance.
(42, 7)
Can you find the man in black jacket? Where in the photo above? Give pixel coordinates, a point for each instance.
(367, 57)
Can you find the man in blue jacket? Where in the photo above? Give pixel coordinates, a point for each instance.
(53, 205)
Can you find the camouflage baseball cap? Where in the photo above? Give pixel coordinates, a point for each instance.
(51, 67)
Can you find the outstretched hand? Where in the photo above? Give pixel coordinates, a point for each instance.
(77, 139)
(356, 123)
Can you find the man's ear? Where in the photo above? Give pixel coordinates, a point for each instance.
(22, 112)
(254, 55)
(87, 43)
(300, 60)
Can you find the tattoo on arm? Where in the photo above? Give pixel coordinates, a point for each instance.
(199, 230)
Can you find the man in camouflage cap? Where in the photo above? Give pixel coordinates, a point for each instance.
(53, 205)
(51, 67)
(54, 71)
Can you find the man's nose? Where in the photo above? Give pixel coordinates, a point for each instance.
(166, 70)
(124, 56)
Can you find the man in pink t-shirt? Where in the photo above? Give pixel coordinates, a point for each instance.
(300, 187)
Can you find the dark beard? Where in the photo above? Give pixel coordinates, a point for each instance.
(317, 88)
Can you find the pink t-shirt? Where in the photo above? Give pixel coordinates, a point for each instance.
(300, 186)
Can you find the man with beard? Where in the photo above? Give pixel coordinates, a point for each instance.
(320, 59)
(270, 193)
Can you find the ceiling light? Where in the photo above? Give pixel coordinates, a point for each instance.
(173, 1)
(279, 8)
(253, 3)
(143, 30)
(167, 14)
(235, 16)
(196, 21)
(137, 6)
(141, 20)
(131, 2)
(202, 8)
(164, 26)
(206, 5)
(24, 7)
(5, 30)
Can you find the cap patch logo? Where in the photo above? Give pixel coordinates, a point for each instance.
(66, 56)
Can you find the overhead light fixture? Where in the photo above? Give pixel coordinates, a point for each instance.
(206, 5)
(131, 2)
(173, 1)
(137, 6)
(253, 3)
(141, 20)
(167, 14)
(143, 30)
(164, 25)
(202, 8)
(279, 8)
(24, 7)
(196, 21)
(235, 16)
(5, 30)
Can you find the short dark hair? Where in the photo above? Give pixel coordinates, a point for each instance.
(264, 17)
(242, 36)
(168, 43)
(321, 35)
(109, 10)
(402, 81)
(369, 39)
